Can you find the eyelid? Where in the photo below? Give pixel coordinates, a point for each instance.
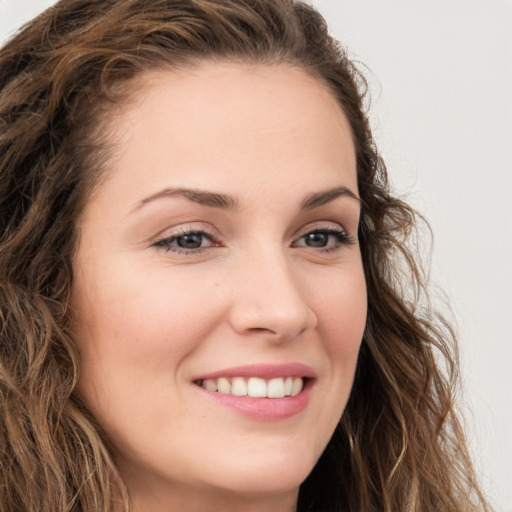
(165, 237)
(335, 229)
(185, 229)
(177, 235)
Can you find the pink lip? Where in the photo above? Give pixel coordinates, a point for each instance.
(264, 409)
(263, 371)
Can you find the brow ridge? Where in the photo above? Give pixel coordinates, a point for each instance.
(228, 202)
(205, 198)
(320, 198)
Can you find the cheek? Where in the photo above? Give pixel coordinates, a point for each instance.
(341, 323)
(134, 333)
(341, 313)
(136, 314)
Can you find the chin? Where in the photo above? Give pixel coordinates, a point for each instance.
(276, 475)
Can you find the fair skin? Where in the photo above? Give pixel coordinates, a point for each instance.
(175, 286)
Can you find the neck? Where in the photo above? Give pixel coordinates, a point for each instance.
(215, 502)
(170, 498)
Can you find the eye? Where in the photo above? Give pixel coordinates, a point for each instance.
(316, 239)
(324, 238)
(190, 241)
(186, 242)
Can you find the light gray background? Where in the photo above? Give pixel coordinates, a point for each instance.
(441, 82)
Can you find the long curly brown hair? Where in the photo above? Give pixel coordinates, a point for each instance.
(398, 446)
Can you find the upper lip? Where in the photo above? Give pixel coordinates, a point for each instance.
(263, 371)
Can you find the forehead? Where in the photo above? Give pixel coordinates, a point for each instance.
(214, 123)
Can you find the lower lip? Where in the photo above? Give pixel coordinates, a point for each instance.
(264, 409)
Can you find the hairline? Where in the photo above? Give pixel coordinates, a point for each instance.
(124, 94)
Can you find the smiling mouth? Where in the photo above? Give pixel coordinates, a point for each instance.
(256, 387)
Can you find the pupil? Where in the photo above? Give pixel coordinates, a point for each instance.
(317, 239)
(191, 241)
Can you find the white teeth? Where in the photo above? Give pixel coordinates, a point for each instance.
(275, 388)
(288, 386)
(256, 387)
(239, 387)
(296, 386)
(224, 386)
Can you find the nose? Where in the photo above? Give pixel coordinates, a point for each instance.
(268, 299)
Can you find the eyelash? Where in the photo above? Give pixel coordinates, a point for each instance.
(167, 243)
(341, 236)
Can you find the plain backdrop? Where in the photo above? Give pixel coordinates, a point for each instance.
(440, 75)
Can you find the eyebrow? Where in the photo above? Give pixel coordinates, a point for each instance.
(228, 202)
(320, 198)
(203, 197)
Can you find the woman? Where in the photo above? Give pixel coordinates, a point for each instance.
(207, 303)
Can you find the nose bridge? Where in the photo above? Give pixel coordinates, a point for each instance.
(268, 297)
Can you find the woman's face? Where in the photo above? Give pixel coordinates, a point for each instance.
(220, 252)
